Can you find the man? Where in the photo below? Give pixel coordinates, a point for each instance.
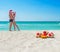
(11, 19)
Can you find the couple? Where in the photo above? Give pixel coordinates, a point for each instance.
(12, 20)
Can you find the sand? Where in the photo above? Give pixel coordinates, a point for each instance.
(26, 41)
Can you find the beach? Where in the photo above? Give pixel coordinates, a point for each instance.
(26, 41)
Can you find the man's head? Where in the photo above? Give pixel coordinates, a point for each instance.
(10, 10)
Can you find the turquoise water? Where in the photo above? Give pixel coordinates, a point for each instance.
(31, 25)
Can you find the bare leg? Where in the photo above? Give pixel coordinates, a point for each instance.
(10, 26)
(15, 26)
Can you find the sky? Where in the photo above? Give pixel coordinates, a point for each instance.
(31, 10)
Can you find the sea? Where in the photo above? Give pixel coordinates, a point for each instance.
(31, 25)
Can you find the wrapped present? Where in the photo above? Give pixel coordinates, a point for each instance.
(50, 35)
(45, 33)
(43, 36)
(37, 35)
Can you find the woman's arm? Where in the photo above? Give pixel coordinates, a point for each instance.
(15, 14)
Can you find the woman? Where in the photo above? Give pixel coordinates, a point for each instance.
(14, 23)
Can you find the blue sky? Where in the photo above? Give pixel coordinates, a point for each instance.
(31, 10)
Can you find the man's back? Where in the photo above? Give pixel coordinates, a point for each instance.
(10, 15)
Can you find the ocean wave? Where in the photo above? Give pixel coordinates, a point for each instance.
(58, 23)
(3, 26)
